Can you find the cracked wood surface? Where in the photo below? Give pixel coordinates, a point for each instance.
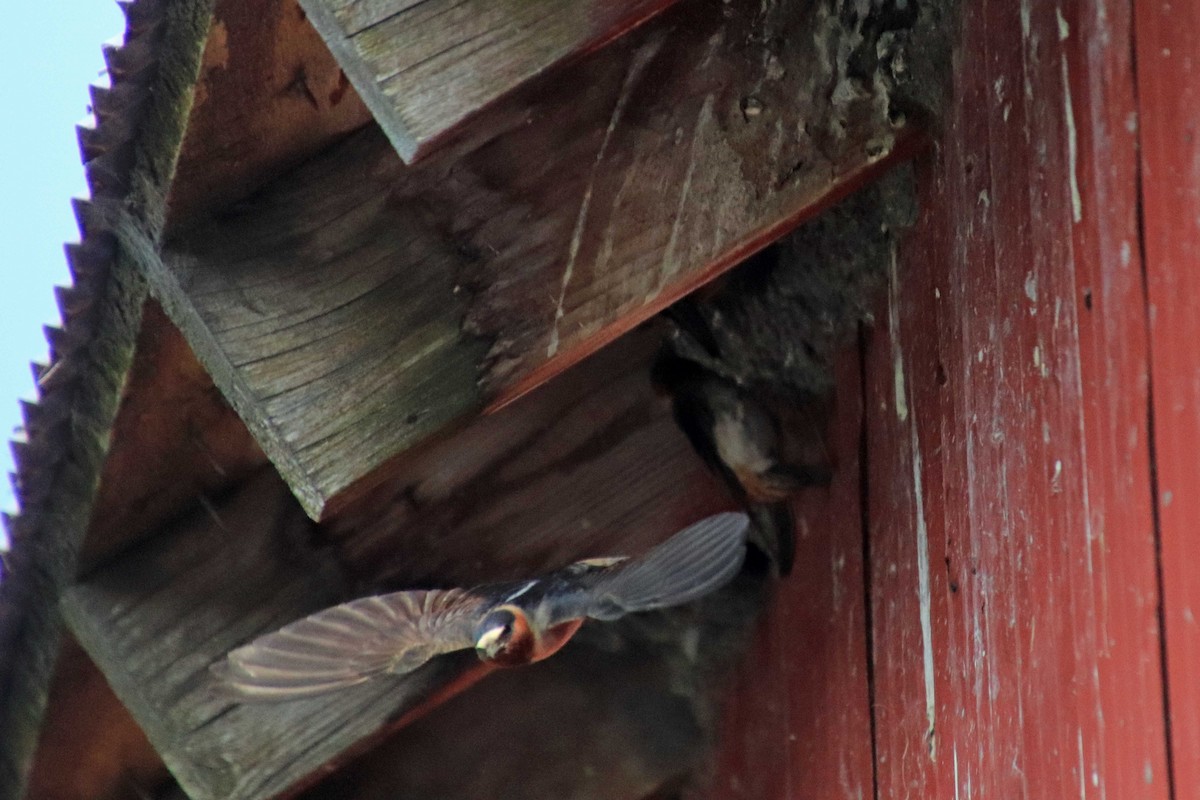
(1168, 82)
(588, 466)
(356, 306)
(426, 67)
(1012, 547)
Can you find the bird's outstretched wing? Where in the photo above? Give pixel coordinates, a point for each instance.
(350, 643)
(699, 559)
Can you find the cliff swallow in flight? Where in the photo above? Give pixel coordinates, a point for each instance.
(738, 439)
(507, 624)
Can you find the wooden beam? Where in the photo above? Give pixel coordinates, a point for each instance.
(156, 618)
(345, 353)
(507, 496)
(511, 495)
(174, 439)
(87, 727)
(356, 306)
(426, 67)
(586, 466)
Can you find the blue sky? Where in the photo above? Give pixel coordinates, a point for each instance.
(49, 53)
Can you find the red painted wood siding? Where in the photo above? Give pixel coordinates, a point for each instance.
(1013, 557)
(800, 719)
(1011, 561)
(1168, 70)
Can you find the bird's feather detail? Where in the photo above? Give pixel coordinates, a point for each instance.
(349, 643)
(699, 559)
(398, 632)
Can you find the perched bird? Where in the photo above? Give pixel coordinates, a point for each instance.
(507, 624)
(739, 439)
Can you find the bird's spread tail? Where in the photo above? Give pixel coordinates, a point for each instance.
(699, 559)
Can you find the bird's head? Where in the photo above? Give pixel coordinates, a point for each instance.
(504, 637)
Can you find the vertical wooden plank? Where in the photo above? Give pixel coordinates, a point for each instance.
(1130, 751)
(1168, 67)
(1011, 535)
(799, 715)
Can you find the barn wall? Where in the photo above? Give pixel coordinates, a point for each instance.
(1168, 70)
(1011, 567)
(1012, 538)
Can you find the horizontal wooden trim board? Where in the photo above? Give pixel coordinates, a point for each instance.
(155, 618)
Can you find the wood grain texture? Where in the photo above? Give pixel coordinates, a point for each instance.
(586, 466)
(590, 464)
(129, 157)
(798, 723)
(156, 618)
(1012, 554)
(269, 95)
(508, 496)
(328, 318)
(174, 439)
(1168, 78)
(426, 67)
(356, 306)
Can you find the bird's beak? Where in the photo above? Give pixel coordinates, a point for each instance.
(488, 643)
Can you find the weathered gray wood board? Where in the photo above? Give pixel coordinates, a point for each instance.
(357, 305)
(589, 465)
(328, 318)
(156, 618)
(129, 156)
(425, 67)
